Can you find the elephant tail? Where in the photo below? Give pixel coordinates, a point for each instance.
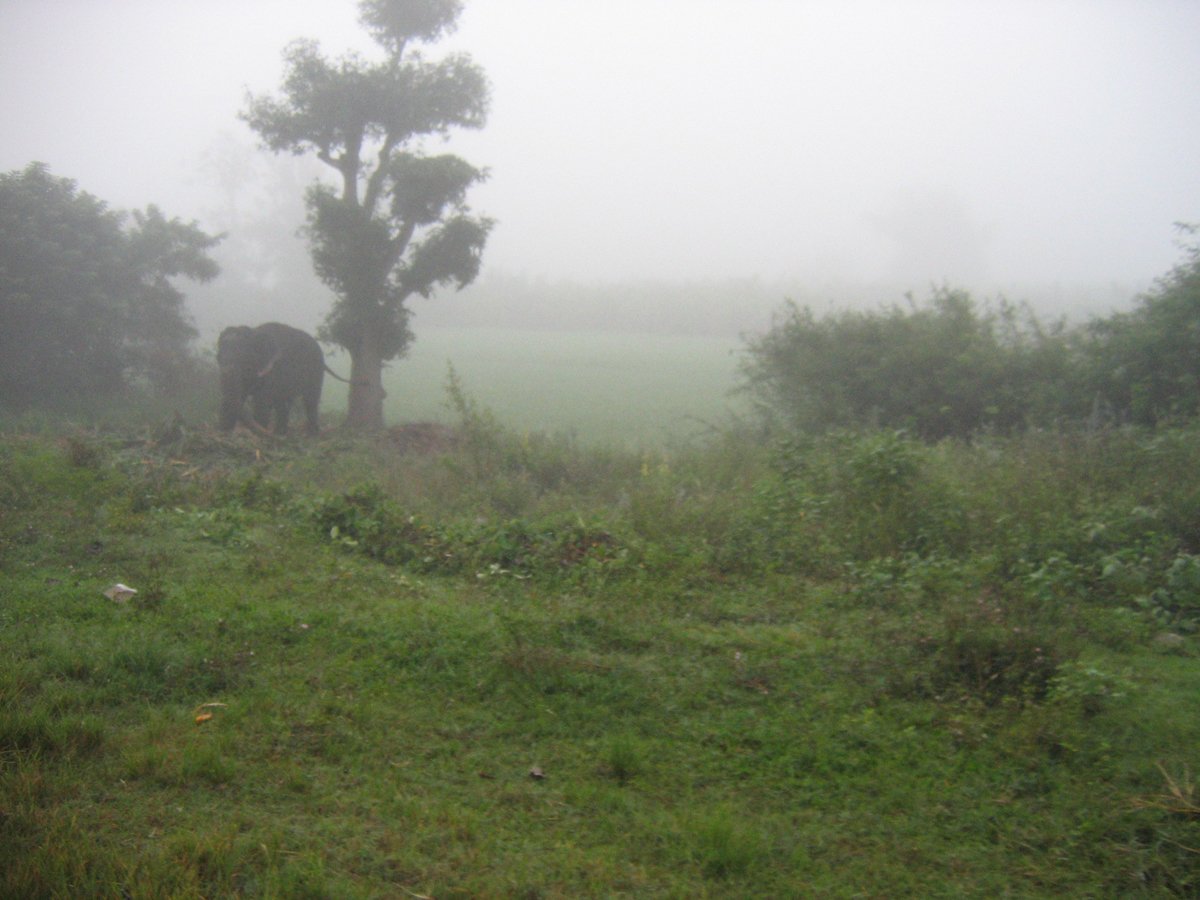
(345, 381)
(336, 375)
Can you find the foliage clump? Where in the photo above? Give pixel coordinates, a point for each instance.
(948, 368)
(1145, 364)
(366, 520)
(87, 303)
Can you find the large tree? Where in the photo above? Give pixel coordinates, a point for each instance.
(397, 224)
(87, 304)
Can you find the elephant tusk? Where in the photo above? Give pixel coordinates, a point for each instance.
(269, 366)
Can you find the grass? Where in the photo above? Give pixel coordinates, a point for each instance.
(631, 390)
(522, 666)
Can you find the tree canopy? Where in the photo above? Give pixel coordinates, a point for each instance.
(397, 224)
(87, 302)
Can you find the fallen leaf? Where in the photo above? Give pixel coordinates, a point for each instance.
(202, 717)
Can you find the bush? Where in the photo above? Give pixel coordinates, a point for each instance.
(1145, 364)
(367, 521)
(1176, 604)
(946, 369)
(847, 497)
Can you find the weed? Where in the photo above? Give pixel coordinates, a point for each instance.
(624, 758)
(207, 762)
(83, 452)
(723, 845)
(1087, 686)
(1179, 796)
(1176, 605)
(43, 735)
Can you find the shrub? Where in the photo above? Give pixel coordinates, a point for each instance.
(366, 520)
(945, 369)
(1176, 604)
(847, 497)
(1145, 364)
(985, 648)
(1087, 687)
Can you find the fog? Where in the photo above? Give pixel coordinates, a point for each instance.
(670, 152)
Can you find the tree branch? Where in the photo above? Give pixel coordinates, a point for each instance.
(351, 163)
(400, 241)
(375, 182)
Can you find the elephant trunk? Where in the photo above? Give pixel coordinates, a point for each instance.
(233, 397)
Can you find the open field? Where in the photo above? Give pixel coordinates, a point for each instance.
(624, 390)
(514, 667)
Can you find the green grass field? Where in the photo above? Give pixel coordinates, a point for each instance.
(518, 666)
(622, 390)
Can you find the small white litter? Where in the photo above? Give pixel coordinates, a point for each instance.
(120, 593)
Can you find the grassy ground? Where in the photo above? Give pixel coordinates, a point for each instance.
(514, 666)
(628, 390)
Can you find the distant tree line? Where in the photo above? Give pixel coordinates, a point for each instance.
(953, 367)
(87, 304)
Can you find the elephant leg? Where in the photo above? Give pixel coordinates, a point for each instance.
(312, 404)
(283, 408)
(232, 413)
(262, 411)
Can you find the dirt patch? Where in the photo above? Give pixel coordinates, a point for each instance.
(422, 437)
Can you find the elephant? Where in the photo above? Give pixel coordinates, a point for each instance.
(272, 365)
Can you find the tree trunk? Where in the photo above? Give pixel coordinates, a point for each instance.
(365, 412)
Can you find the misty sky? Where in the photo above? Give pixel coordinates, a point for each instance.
(984, 143)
